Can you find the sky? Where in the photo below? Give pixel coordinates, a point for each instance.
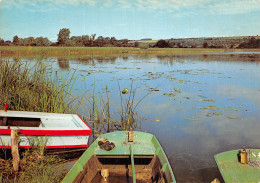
(130, 19)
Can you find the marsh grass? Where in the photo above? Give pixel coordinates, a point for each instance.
(34, 88)
(102, 119)
(91, 51)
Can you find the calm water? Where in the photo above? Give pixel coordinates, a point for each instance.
(200, 104)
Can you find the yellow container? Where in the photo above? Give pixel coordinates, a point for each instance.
(243, 157)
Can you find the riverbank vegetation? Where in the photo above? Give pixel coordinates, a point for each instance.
(101, 51)
(33, 88)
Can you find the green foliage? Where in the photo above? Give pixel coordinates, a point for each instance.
(15, 40)
(41, 41)
(70, 43)
(205, 45)
(162, 44)
(63, 36)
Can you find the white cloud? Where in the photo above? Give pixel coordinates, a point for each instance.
(189, 7)
(240, 92)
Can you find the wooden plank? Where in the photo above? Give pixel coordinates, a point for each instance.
(130, 136)
(15, 151)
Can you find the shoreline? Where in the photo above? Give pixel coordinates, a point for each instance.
(93, 51)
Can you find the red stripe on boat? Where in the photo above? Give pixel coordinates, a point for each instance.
(48, 132)
(51, 147)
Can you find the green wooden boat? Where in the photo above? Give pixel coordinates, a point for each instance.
(122, 157)
(232, 170)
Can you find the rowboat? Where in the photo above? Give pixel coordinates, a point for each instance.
(239, 165)
(122, 157)
(54, 131)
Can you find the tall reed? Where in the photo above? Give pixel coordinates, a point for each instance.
(37, 88)
(101, 118)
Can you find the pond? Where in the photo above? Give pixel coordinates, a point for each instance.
(197, 105)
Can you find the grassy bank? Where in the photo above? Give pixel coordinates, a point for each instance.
(22, 50)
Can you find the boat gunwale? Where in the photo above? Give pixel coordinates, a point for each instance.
(36, 131)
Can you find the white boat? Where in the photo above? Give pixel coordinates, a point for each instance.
(54, 131)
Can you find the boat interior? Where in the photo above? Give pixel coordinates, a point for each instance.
(115, 169)
(20, 121)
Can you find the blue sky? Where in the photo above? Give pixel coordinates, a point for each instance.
(132, 19)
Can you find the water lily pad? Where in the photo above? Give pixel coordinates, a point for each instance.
(203, 107)
(207, 100)
(194, 119)
(169, 94)
(232, 117)
(232, 108)
(144, 119)
(177, 90)
(125, 91)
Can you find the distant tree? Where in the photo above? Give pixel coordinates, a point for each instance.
(124, 42)
(100, 41)
(30, 41)
(77, 40)
(162, 44)
(179, 45)
(41, 41)
(136, 44)
(205, 45)
(252, 43)
(113, 41)
(70, 42)
(16, 40)
(2, 42)
(63, 36)
(107, 42)
(8, 43)
(85, 40)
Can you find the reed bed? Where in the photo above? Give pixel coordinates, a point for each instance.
(23, 50)
(34, 88)
(103, 120)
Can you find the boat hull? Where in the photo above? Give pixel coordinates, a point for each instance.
(150, 161)
(51, 130)
(233, 171)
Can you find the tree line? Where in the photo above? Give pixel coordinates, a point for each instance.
(64, 39)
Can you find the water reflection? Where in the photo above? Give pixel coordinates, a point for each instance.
(63, 63)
